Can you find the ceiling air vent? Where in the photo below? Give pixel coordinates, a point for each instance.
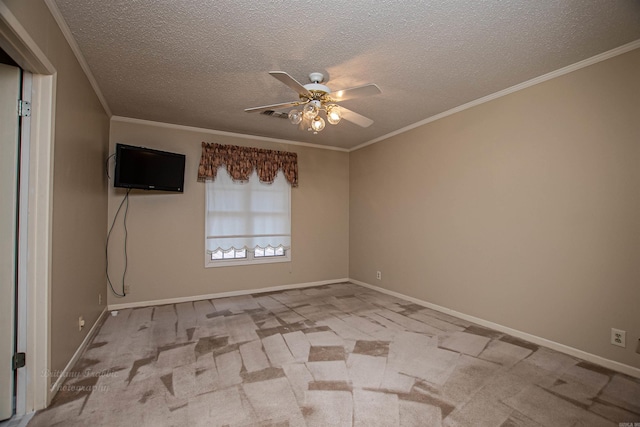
(277, 114)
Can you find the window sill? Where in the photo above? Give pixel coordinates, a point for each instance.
(208, 263)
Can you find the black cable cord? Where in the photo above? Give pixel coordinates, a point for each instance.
(106, 165)
(126, 235)
(126, 211)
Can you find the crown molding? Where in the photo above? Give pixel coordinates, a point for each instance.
(223, 133)
(55, 12)
(540, 79)
(543, 78)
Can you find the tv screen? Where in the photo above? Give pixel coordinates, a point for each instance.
(147, 169)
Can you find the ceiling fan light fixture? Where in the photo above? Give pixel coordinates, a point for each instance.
(295, 116)
(315, 97)
(334, 115)
(317, 124)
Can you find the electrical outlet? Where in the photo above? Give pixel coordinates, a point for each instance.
(618, 337)
(80, 323)
(99, 299)
(379, 275)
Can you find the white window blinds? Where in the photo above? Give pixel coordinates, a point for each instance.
(247, 215)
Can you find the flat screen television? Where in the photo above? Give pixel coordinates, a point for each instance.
(147, 169)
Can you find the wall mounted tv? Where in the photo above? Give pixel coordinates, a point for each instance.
(147, 169)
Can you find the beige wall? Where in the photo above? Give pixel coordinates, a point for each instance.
(79, 187)
(524, 211)
(166, 230)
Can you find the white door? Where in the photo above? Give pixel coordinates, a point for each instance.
(9, 140)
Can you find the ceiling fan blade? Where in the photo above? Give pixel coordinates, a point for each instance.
(356, 118)
(272, 106)
(291, 82)
(355, 92)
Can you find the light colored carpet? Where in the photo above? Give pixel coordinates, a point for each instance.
(335, 355)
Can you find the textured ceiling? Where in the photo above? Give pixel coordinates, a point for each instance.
(202, 62)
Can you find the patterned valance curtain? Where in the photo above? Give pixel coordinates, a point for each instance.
(240, 162)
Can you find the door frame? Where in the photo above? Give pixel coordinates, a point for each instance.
(33, 329)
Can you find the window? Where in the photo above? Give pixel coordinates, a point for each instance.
(247, 222)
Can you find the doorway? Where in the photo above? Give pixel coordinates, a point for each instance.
(10, 91)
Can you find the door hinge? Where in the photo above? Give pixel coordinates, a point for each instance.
(24, 108)
(19, 360)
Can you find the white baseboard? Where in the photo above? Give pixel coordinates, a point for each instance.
(589, 357)
(65, 372)
(122, 306)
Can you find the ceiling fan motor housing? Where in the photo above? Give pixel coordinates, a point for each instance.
(317, 89)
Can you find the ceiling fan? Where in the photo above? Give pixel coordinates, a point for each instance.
(315, 97)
